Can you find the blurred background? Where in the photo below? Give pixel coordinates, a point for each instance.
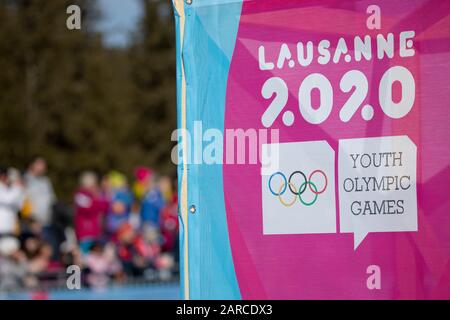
(85, 172)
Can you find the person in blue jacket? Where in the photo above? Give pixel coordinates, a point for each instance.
(152, 204)
(121, 201)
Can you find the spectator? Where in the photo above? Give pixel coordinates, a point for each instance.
(121, 201)
(142, 176)
(39, 262)
(143, 228)
(13, 266)
(169, 225)
(166, 188)
(102, 264)
(11, 198)
(169, 215)
(134, 252)
(89, 210)
(152, 203)
(40, 192)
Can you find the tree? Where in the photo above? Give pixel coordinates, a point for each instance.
(81, 105)
(153, 74)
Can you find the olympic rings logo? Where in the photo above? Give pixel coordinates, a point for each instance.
(288, 184)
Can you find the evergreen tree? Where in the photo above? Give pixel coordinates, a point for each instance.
(153, 73)
(81, 105)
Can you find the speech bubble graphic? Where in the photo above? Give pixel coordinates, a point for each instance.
(377, 186)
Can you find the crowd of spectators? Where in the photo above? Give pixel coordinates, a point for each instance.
(112, 230)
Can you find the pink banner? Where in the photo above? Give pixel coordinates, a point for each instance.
(356, 206)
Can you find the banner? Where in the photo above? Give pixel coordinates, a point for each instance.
(313, 149)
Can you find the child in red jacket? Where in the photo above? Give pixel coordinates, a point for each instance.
(89, 210)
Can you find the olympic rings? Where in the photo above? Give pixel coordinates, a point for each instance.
(286, 204)
(300, 191)
(326, 181)
(316, 195)
(284, 184)
(307, 184)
